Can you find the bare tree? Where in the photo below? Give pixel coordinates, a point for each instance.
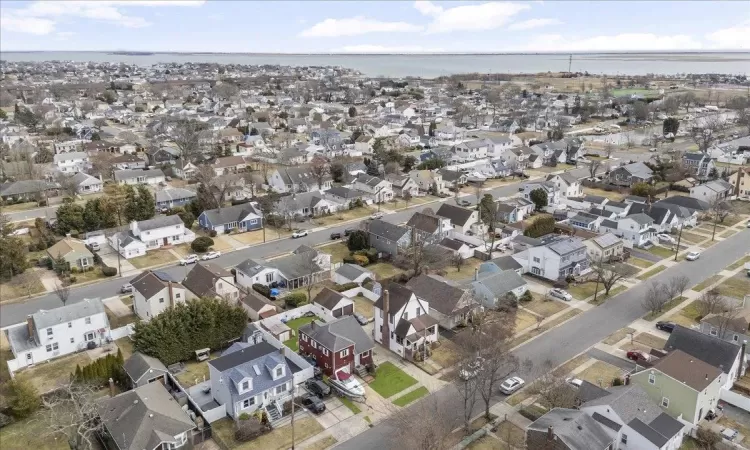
(718, 210)
(711, 302)
(219, 187)
(310, 267)
(594, 165)
(225, 90)
(655, 297)
(608, 274)
(67, 184)
(101, 163)
(426, 424)
(28, 281)
(62, 291)
(706, 134)
(678, 285)
(320, 169)
(457, 261)
(629, 140)
(73, 410)
(551, 388)
(186, 136)
(609, 149)
(421, 254)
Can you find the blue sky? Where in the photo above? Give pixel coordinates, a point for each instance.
(392, 26)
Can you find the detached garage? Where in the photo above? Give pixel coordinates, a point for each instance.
(334, 303)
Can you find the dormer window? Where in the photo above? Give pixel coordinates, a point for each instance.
(279, 372)
(245, 385)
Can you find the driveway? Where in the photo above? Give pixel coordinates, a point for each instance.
(611, 359)
(109, 257)
(643, 254)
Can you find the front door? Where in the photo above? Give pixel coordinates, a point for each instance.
(166, 241)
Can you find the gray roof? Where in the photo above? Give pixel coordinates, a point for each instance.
(457, 214)
(166, 195)
(127, 174)
(241, 361)
(709, 349)
(292, 266)
(666, 425)
(649, 433)
(159, 222)
(26, 187)
(70, 156)
(84, 178)
(150, 283)
(398, 297)
(442, 296)
(339, 334)
(452, 244)
(575, 428)
(387, 230)
(611, 424)
(328, 298)
(629, 402)
(368, 180)
(201, 280)
(350, 271)
(500, 283)
(144, 417)
(637, 169)
(584, 218)
(344, 192)
(595, 199)
(609, 224)
(641, 219)
(139, 365)
(424, 222)
(686, 202)
(606, 240)
(506, 263)
(230, 214)
(68, 313)
(565, 245)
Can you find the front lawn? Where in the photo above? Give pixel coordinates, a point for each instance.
(689, 315)
(651, 273)
(582, 291)
(662, 252)
(447, 354)
(666, 308)
(390, 380)
(737, 286)
(618, 335)
(524, 320)
(24, 285)
(600, 374)
(638, 262)
(337, 251)
(411, 396)
(544, 307)
(278, 439)
(551, 324)
(707, 282)
(739, 263)
(152, 258)
(649, 340)
(88, 276)
(294, 324)
(343, 216)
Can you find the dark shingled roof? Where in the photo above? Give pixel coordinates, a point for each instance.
(202, 278)
(457, 215)
(441, 296)
(710, 349)
(387, 230)
(328, 298)
(424, 222)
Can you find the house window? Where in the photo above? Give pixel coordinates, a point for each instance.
(161, 299)
(624, 438)
(177, 295)
(665, 402)
(651, 378)
(248, 402)
(280, 389)
(536, 260)
(72, 340)
(70, 324)
(279, 371)
(344, 352)
(735, 338)
(303, 337)
(406, 315)
(88, 321)
(314, 344)
(52, 347)
(713, 331)
(89, 336)
(49, 331)
(269, 277)
(245, 385)
(219, 285)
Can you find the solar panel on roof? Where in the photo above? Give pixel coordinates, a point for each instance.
(164, 276)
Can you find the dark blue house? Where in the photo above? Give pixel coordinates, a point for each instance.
(170, 198)
(244, 217)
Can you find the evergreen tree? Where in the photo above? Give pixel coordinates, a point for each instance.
(131, 204)
(146, 203)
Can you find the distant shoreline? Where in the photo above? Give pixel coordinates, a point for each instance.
(618, 53)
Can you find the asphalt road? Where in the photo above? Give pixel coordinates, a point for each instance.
(577, 335)
(17, 312)
(47, 212)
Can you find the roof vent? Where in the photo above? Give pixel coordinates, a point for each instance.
(257, 370)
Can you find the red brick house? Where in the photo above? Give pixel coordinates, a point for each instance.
(340, 345)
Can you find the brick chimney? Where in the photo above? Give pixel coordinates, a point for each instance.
(743, 356)
(550, 434)
(385, 334)
(171, 294)
(111, 387)
(30, 326)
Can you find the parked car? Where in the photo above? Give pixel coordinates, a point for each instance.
(665, 326)
(313, 403)
(362, 320)
(464, 203)
(299, 233)
(211, 255)
(189, 259)
(638, 356)
(663, 237)
(335, 236)
(471, 369)
(318, 388)
(349, 231)
(561, 294)
(126, 288)
(377, 215)
(692, 256)
(511, 385)
(95, 247)
(575, 382)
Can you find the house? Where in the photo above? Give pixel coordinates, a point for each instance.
(503, 263)
(154, 292)
(740, 180)
(629, 415)
(257, 306)
(339, 345)
(184, 169)
(72, 162)
(699, 164)
(429, 227)
(229, 164)
(471, 150)
(364, 144)
(506, 212)
(242, 217)
(86, 184)
(664, 219)
(73, 251)
(148, 417)
(733, 327)
(453, 178)
(125, 162)
(636, 229)
(585, 221)
(142, 370)
(606, 247)
(48, 334)
(351, 273)
(376, 188)
(206, 280)
(312, 203)
(304, 266)
(448, 304)
(135, 176)
(557, 259)
(567, 429)
(457, 247)
(402, 323)
(298, 179)
(28, 190)
(712, 191)
(630, 174)
(387, 237)
(462, 219)
(68, 146)
(682, 385)
(161, 231)
(173, 197)
(567, 184)
(428, 180)
(493, 285)
(549, 187)
(402, 185)
(334, 303)
(727, 356)
(247, 378)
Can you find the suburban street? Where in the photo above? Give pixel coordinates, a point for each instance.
(47, 212)
(577, 335)
(13, 313)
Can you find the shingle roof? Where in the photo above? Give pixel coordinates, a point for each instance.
(328, 298)
(688, 369)
(127, 174)
(606, 240)
(441, 296)
(506, 263)
(710, 349)
(166, 195)
(85, 308)
(565, 245)
(398, 297)
(339, 334)
(240, 361)
(139, 365)
(575, 428)
(387, 230)
(501, 283)
(150, 283)
(424, 222)
(231, 214)
(201, 279)
(350, 271)
(457, 215)
(159, 222)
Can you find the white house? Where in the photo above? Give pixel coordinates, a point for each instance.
(378, 189)
(207, 280)
(567, 184)
(636, 229)
(472, 150)
(154, 292)
(68, 146)
(135, 176)
(555, 260)
(86, 184)
(425, 179)
(711, 191)
(48, 334)
(304, 266)
(150, 235)
(72, 162)
(402, 322)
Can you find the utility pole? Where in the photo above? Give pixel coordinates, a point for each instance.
(679, 237)
(570, 62)
(598, 276)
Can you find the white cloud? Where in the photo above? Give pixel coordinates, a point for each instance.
(733, 38)
(366, 48)
(356, 26)
(619, 42)
(485, 16)
(41, 17)
(534, 23)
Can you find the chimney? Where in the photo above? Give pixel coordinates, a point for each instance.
(171, 294)
(627, 380)
(550, 434)
(476, 273)
(111, 387)
(134, 227)
(386, 329)
(743, 357)
(281, 350)
(30, 326)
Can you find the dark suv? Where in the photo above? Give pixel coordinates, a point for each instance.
(336, 235)
(313, 403)
(318, 388)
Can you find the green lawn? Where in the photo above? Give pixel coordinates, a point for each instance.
(638, 262)
(383, 270)
(337, 251)
(583, 291)
(738, 286)
(707, 282)
(411, 396)
(350, 404)
(390, 380)
(651, 273)
(152, 258)
(294, 324)
(739, 263)
(661, 251)
(278, 439)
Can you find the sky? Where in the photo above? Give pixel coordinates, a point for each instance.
(373, 27)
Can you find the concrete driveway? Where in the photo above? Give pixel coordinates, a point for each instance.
(109, 257)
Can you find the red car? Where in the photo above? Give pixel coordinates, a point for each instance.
(637, 355)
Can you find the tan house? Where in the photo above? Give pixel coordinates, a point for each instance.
(740, 181)
(606, 247)
(73, 251)
(212, 281)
